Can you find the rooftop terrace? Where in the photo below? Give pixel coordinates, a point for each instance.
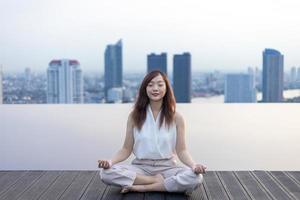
(221, 185)
(51, 151)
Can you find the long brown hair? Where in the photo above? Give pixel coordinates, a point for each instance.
(167, 114)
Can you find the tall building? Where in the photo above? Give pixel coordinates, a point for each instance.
(240, 88)
(272, 76)
(293, 75)
(1, 87)
(252, 73)
(258, 78)
(113, 67)
(65, 82)
(182, 77)
(157, 62)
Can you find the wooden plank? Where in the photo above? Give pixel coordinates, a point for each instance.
(199, 194)
(213, 186)
(21, 185)
(271, 186)
(133, 196)
(59, 185)
(232, 185)
(287, 183)
(250, 184)
(41, 185)
(204, 189)
(112, 193)
(95, 189)
(295, 175)
(10, 179)
(154, 196)
(78, 186)
(2, 173)
(88, 185)
(176, 196)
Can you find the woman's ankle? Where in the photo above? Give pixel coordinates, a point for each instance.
(154, 187)
(145, 180)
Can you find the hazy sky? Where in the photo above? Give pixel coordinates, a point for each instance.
(223, 35)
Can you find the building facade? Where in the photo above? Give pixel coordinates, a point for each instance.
(64, 82)
(157, 62)
(113, 67)
(272, 76)
(239, 88)
(182, 77)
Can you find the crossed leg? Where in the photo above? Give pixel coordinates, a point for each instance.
(148, 183)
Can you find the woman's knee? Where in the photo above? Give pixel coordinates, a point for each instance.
(106, 175)
(185, 181)
(196, 179)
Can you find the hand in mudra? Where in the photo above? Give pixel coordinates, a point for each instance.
(199, 169)
(105, 164)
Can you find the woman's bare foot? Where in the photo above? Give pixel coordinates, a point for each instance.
(158, 185)
(125, 190)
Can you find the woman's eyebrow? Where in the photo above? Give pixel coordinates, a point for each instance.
(160, 81)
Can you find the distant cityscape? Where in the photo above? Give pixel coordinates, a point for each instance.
(64, 81)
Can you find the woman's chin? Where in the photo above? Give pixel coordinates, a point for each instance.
(156, 99)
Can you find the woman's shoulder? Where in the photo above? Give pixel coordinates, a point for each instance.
(178, 118)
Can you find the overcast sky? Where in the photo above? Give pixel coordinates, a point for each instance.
(222, 35)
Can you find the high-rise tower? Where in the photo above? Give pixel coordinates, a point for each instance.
(272, 76)
(182, 77)
(157, 62)
(65, 82)
(113, 67)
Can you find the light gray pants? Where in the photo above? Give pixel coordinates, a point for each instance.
(176, 178)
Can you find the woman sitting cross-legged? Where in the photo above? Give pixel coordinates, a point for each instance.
(156, 135)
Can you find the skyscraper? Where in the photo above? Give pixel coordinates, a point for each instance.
(293, 74)
(65, 82)
(113, 67)
(240, 88)
(157, 62)
(182, 77)
(1, 89)
(272, 76)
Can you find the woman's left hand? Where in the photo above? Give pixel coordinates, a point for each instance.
(199, 169)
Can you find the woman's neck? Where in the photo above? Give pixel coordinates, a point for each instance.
(156, 105)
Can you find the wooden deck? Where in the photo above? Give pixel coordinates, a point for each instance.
(223, 185)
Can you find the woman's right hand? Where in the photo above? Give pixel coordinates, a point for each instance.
(105, 164)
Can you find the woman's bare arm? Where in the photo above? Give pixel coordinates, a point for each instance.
(125, 151)
(181, 149)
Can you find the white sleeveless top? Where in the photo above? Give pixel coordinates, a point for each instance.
(154, 143)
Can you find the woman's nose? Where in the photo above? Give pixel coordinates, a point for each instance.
(155, 87)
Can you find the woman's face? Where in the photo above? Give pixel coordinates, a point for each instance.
(156, 88)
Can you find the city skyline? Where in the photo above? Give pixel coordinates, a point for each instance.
(219, 35)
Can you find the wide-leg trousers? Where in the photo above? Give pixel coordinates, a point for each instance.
(176, 178)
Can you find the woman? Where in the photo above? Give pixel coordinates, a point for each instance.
(155, 134)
